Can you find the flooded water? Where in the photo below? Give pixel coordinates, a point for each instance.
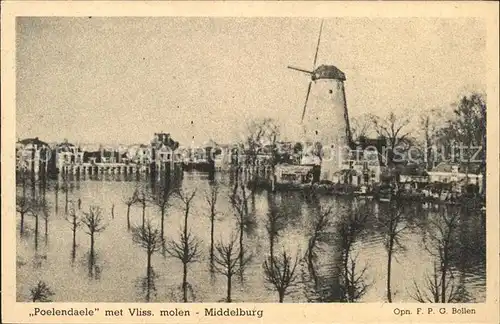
(121, 265)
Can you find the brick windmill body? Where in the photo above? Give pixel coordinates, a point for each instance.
(325, 117)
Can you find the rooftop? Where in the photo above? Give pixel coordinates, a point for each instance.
(33, 141)
(328, 72)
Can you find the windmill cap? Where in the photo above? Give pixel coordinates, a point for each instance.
(328, 72)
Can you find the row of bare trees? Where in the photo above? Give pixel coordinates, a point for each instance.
(228, 257)
(152, 239)
(434, 136)
(440, 241)
(92, 223)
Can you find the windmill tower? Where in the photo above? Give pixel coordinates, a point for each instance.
(324, 117)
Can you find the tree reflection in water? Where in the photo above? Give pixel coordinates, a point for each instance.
(147, 285)
(94, 266)
(336, 236)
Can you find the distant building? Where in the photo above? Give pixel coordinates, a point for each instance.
(455, 173)
(66, 153)
(32, 155)
(222, 157)
(413, 177)
(164, 139)
(360, 167)
(293, 174)
(140, 154)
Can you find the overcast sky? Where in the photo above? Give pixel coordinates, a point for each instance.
(120, 80)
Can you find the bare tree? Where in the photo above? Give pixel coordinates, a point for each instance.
(349, 227)
(41, 293)
(94, 223)
(431, 125)
(24, 205)
(226, 261)
(186, 249)
(275, 223)
(149, 238)
(356, 286)
(361, 126)
(65, 187)
(143, 201)
(45, 215)
(211, 199)
(22, 176)
(432, 292)
(439, 241)
(259, 133)
(35, 212)
(320, 224)
(129, 201)
(162, 201)
(39, 208)
(75, 222)
(393, 129)
(280, 273)
(239, 202)
(56, 196)
(392, 228)
(468, 127)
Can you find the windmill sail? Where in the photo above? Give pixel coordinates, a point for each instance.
(305, 104)
(317, 46)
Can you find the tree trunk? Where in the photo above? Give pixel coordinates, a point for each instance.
(66, 197)
(143, 214)
(74, 236)
(347, 282)
(33, 186)
(186, 214)
(229, 289)
(36, 232)
(389, 265)
(22, 224)
(281, 294)
(56, 192)
(162, 223)
(184, 283)
(24, 184)
(271, 247)
(92, 246)
(241, 247)
(310, 264)
(444, 270)
(212, 230)
(148, 269)
(148, 277)
(73, 254)
(128, 217)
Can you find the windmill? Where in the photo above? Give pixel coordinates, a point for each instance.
(325, 117)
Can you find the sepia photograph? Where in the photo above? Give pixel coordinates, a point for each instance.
(250, 159)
